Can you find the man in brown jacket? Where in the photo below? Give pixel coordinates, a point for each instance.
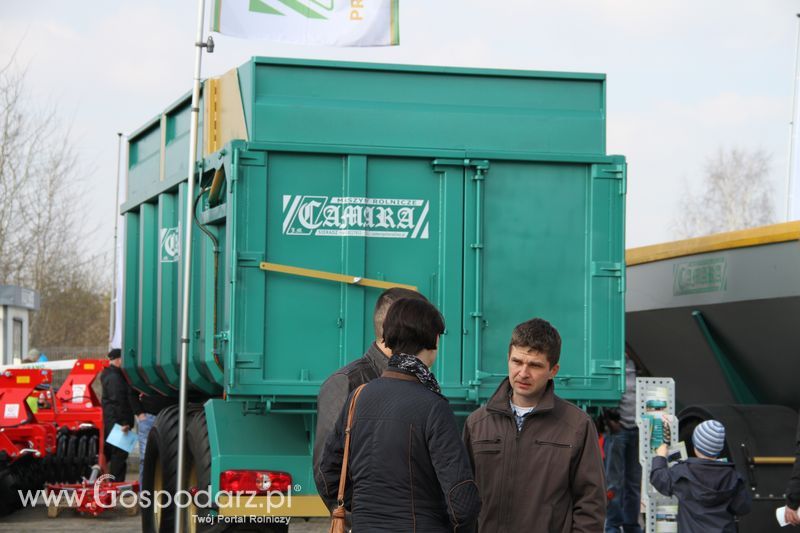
(536, 457)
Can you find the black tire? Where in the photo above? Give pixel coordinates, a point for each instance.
(200, 470)
(80, 457)
(60, 472)
(16, 481)
(160, 470)
(47, 466)
(83, 442)
(38, 473)
(71, 459)
(7, 492)
(91, 451)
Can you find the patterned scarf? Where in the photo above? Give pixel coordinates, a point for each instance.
(411, 364)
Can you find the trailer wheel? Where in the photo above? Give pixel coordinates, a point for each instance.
(159, 472)
(200, 475)
(199, 472)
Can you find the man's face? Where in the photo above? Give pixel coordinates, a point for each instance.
(528, 372)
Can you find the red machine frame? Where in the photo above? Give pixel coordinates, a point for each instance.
(95, 495)
(20, 431)
(75, 406)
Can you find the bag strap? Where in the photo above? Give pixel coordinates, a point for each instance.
(343, 475)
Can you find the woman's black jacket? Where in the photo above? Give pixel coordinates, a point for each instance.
(408, 467)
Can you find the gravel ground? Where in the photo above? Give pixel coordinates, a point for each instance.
(35, 520)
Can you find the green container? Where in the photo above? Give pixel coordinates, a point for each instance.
(490, 191)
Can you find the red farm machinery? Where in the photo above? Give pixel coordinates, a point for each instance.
(47, 435)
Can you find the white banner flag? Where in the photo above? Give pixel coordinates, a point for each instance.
(320, 22)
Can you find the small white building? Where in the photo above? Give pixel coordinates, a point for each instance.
(16, 304)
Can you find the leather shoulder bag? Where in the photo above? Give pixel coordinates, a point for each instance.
(338, 514)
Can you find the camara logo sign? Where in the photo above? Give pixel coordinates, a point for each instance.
(355, 217)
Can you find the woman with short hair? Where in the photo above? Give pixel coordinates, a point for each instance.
(408, 467)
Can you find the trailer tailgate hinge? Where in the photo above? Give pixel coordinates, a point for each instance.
(251, 158)
(249, 259)
(612, 171)
(608, 269)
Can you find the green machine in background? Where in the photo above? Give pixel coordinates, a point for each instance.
(320, 183)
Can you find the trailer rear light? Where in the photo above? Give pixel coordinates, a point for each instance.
(258, 481)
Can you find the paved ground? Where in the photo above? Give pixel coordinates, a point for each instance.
(34, 520)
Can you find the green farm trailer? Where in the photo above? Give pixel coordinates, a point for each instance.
(320, 183)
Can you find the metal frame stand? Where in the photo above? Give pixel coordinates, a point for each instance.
(654, 397)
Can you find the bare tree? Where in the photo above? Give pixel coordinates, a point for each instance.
(74, 310)
(42, 234)
(16, 137)
(736, 195)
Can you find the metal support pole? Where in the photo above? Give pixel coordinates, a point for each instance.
(187, 257)
(112, 309)
(793, 179)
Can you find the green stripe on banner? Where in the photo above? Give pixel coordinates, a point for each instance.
(257, 6)
(395, 8)
(302, 9)
(217, 9)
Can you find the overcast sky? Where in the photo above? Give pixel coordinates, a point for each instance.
(684, 77)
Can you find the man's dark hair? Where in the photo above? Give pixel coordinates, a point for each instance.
(385, 301)
(411, 326)
(115, 353)
(537, 334)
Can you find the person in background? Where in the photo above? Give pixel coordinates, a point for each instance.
(710, 492)
(145, 408)
(623, 471)
(34, 356)
(116, 410)
(793, 490)
(536, 457)
(408, 469)
(334, 391)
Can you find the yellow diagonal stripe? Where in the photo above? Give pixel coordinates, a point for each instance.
(330, 276)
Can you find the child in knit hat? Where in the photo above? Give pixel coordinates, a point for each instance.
(710, 492)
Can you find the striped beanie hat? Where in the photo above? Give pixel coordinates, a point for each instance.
(709, 438)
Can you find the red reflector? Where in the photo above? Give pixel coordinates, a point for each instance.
(258, 481)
